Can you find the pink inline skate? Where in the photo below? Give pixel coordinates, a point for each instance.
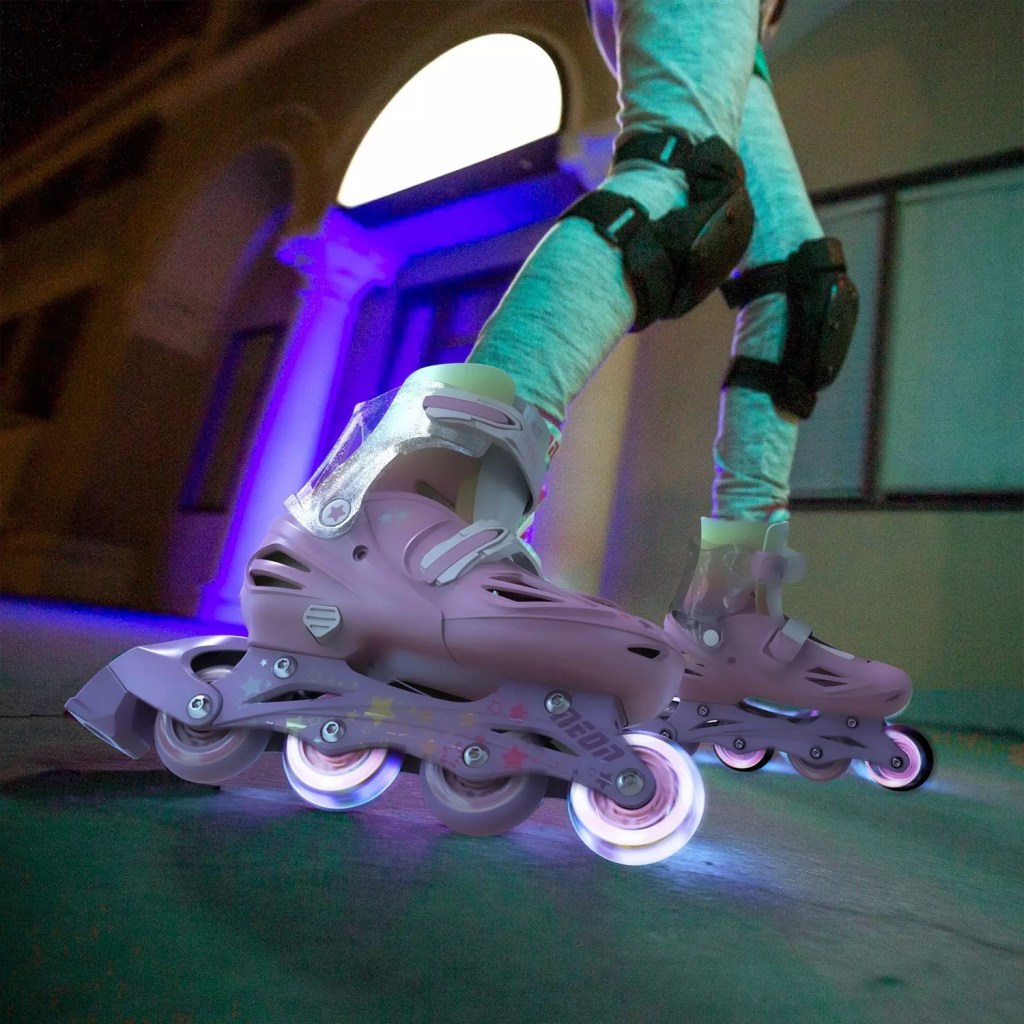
(396, 620)
(752, 673)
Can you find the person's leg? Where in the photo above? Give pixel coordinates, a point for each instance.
(755, 443)
(728, 615)
(685, 67)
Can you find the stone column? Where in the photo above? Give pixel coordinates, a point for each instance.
(341, 264)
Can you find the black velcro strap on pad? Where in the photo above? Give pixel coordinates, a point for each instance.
(624, 223)
(788, 392)
(753, 283)
(664, 148)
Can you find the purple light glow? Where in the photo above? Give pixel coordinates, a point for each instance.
(343, 262)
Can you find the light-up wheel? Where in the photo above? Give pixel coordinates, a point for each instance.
(650, 833)
(918, 760)
(339, 782)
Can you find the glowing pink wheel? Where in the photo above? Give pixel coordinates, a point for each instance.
(339, 782)
(650, 833)
(917, 757)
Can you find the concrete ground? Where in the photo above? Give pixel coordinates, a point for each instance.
(128, 895)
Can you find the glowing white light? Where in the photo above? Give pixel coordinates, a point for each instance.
(481, 98)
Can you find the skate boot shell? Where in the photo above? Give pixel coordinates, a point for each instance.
(396, 620)
(757, 680)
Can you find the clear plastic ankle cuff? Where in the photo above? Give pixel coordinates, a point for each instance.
(420, 416)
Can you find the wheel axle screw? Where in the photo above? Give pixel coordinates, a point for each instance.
(199, 707)
(703, 710)
(739, 743)
(629, 782)
(558, 703)
(285, 667)
(475, 755)
(332, 731)
(817, 753)
(897, 763)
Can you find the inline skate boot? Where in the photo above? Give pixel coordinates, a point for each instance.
(757, 681)
(396, 619)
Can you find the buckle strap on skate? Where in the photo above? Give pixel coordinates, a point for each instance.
(485, 541)
(786, 643)
(773, 568)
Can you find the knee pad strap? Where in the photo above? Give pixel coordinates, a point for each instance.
(675, 262)
(822, 306)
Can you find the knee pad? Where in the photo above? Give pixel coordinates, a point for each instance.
(822, 306)
(675, 262)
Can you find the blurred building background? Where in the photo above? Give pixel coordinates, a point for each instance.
(189, 315)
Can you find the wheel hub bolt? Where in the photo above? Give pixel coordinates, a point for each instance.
(285, 667)
(817, 753)
(475, 755)
(199, 707)
(739, 743)
(897, 763)
(629, 782)
(558, 703)
(332, 731)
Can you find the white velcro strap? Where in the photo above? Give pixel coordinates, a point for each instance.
(786, 643)
(485, 541)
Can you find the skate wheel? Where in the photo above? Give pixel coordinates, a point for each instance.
(484, 807)
(339, 782)
(918, 760)
(207, 756)
(648, 834)
(818, 771)
(744, 760)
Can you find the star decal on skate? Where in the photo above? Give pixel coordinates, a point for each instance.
(513, 758)
(425, 716)
(264, 663)
(381, 709)
(496, 709)
(335, 512)
(468, 719)
(518, 713)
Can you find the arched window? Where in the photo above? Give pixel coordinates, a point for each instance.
(486, 96)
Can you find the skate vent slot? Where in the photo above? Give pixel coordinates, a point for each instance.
(827, 683)
(689, 672)
(215, 659)
(283, 558)
(645, 652)
(266, 579)
(519, 590)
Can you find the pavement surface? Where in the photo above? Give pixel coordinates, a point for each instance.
(127, 895)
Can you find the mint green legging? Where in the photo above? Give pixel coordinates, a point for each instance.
(684, 65)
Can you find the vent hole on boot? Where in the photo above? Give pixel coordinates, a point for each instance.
(360, 553)
(283, 558)
(645, 652)
(520, 596)
(265, 579)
